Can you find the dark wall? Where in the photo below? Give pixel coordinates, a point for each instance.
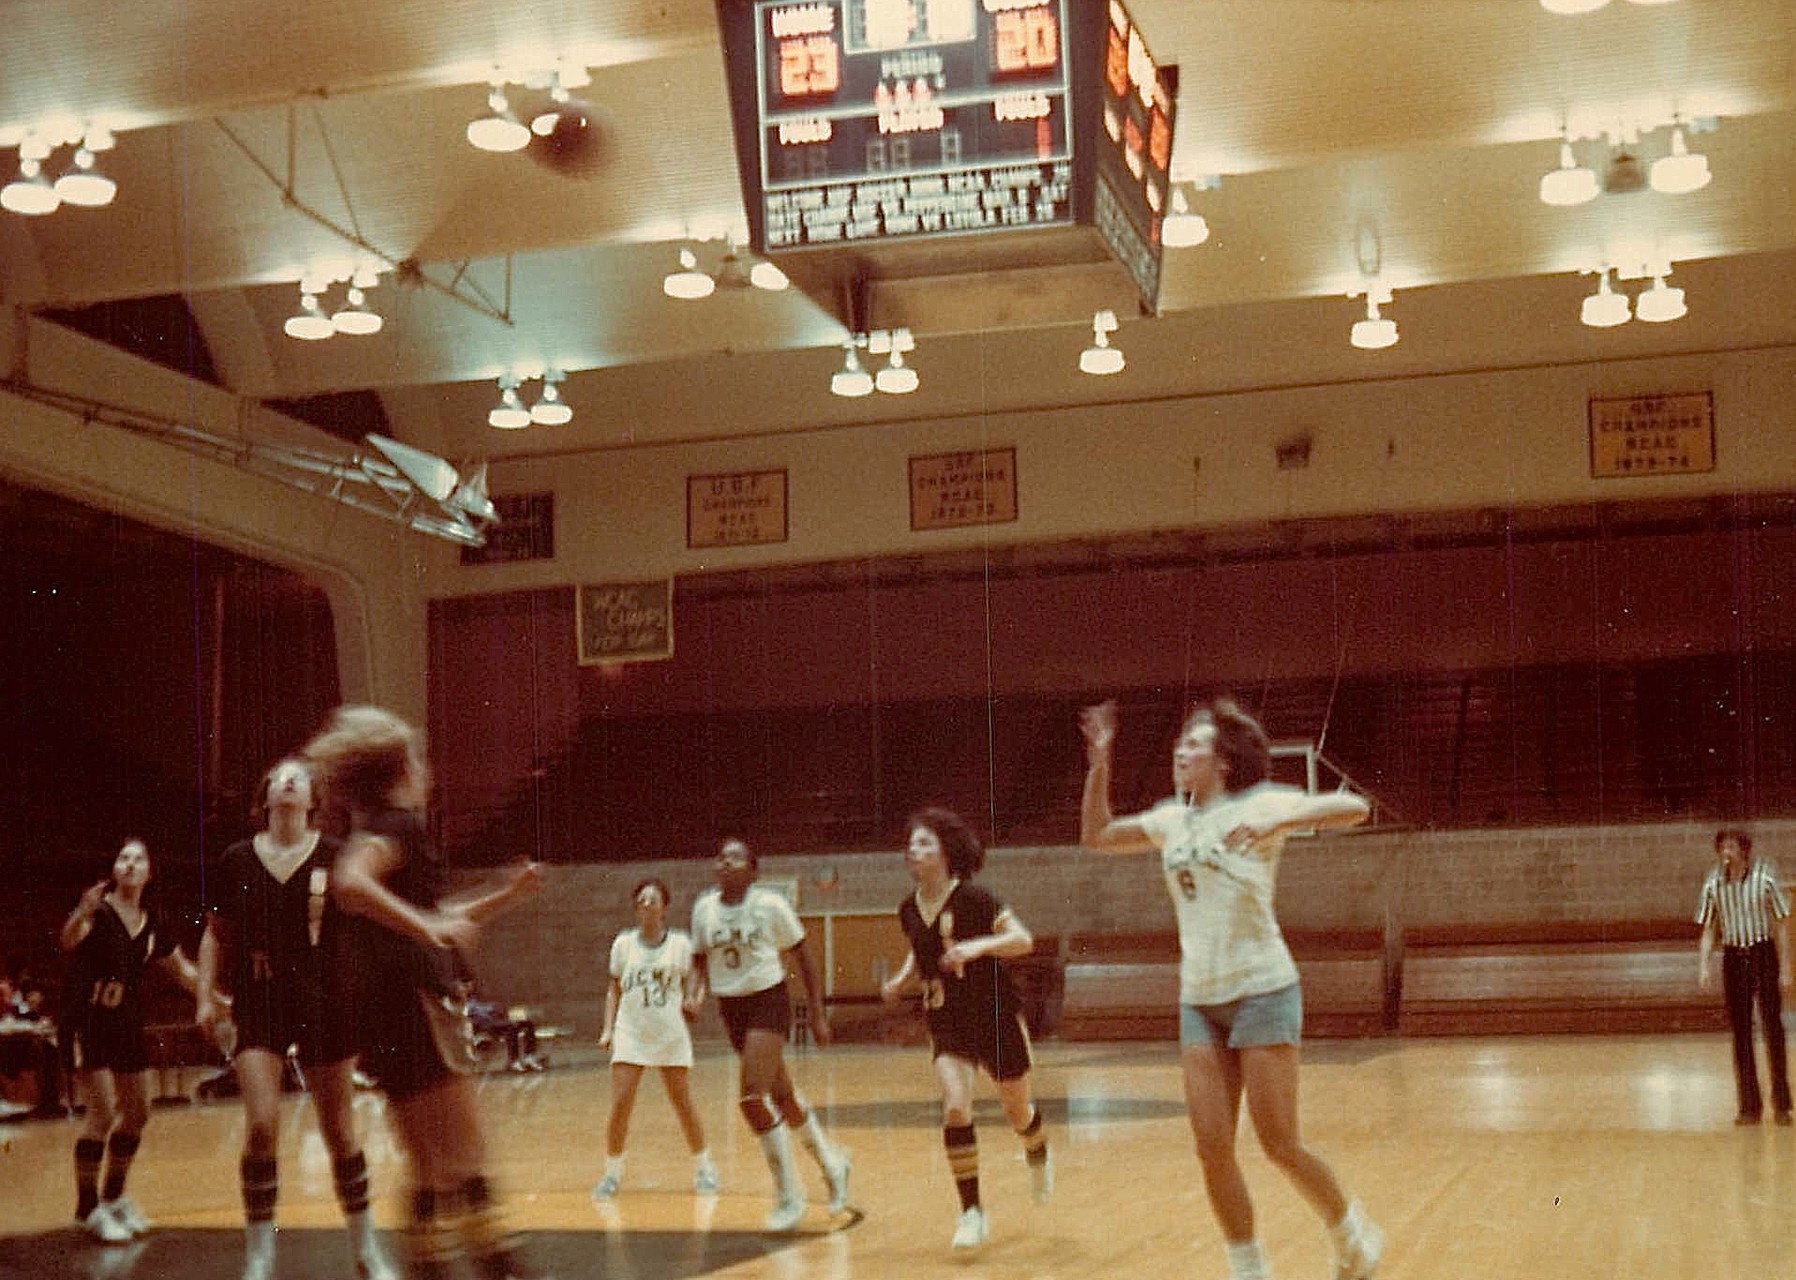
(1515, 679)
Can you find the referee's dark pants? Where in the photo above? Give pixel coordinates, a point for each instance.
(1747, 972)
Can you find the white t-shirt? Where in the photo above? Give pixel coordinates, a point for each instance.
(650, 1030)
(742, 943)
(1229, 939)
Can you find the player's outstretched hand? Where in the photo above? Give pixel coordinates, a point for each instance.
(1098, 724)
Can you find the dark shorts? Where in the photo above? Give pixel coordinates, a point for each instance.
(101, 1044)
(412, 1040)
(276, 1017)
(769, 1010)
(999, 1045)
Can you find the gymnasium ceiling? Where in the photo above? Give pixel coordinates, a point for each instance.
(1407, 136)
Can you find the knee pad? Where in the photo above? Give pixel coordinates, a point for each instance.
(755, 1110)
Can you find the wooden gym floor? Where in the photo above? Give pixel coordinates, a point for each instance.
(1509, 1157)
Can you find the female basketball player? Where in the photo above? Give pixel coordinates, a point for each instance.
(410, 1027)
(959, 935)
(744, 934)
(1241, 1012)
(645, 1026)
(111, 938)
(269, 912)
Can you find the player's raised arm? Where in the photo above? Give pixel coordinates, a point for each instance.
(1100, 829)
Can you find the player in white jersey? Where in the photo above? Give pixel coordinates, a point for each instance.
(1241, 1011)
(645, 1026)
(743, 934)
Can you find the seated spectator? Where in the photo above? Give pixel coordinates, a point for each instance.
(493, 1021)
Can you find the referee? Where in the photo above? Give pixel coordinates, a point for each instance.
(1743, 907)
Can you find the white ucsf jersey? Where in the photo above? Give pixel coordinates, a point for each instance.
(1230, 945)
(651, 1030)
(742, 943)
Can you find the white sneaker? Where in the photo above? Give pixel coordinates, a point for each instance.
(103, 1225)
(1361, 1260)
(785, 1215)
(971, 1230)
(704, 1179)
(607, 1187)
(130, 1216)
(1041, 1178)
(837, 1171)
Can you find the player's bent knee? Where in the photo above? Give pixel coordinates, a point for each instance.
(759, 1115)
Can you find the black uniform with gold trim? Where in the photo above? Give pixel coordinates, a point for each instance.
(285, 946)
(410, 1021)
(103, 1006)
(975, 1016)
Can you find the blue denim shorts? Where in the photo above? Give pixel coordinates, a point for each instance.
(1273, 1018)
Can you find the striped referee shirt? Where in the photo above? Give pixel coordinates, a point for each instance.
(1745, 907)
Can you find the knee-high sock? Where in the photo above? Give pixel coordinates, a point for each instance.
(261, 1181)
(121, 1149)
(776, 1145)
(350, 1174)
(90, 1153)
(963, 1161)
(815, 1140)
(430, 1246)
(490, 1244)
(1035, 1138)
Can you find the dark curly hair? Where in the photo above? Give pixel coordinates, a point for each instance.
(1739, 836)
(1240, 742)
(961, 848)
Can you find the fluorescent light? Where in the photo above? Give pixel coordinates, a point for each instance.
(1605, 308)
(1677, 174)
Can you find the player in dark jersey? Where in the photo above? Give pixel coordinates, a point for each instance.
(411, 1026)
(959, 935)
(269, 916)
(111, 937)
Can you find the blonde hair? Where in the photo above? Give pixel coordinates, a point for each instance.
(357, 758)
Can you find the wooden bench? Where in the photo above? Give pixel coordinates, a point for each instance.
(1126, 986)
(1555, 978)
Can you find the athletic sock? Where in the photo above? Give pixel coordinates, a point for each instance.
(492, 1248)
(350, 1174)
(261, 1181)
(776, 1145)
(1246, 1262)
(89, 1154)
(121, 1149)
(1035, 1138)
(962, 1143)
(430, 1246)
(816, 1141)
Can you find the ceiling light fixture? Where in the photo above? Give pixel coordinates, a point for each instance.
(550, 410)
(764, 275)
(1375, 332)
(1677, 174)
(851, 381)
(1101, 359)
(897, 378)
(30, 193)
(499, 129)
(1572, 6)
(309, 323)
(356, 317)
(1183, 229)
(83, 185)
(509, 414)
(1661, 302)
(688, 283)
(1606, 308)
(1571, 183)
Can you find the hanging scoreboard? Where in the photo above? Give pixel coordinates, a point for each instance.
(868, 122)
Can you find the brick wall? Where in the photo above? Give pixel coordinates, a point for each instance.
(552, 952)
